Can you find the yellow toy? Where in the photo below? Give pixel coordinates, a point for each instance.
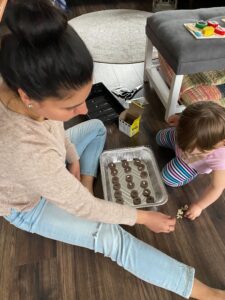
(208, 30)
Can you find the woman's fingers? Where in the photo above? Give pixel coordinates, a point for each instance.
(172, 221)
(169, 224)
(169, 229)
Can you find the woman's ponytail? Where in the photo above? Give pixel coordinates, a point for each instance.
(43, 55)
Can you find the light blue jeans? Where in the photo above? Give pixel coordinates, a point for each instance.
(137, 257)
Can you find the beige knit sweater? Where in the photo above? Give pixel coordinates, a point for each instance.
(32, 162)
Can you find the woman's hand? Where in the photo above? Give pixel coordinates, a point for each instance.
(193, 211)
(74, 169)
(173, 120)
(156, 221)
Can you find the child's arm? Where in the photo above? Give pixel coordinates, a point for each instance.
(211, 194)
(173, 120)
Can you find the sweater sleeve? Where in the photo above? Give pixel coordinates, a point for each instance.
(47, 175)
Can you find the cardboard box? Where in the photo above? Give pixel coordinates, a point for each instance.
(129, 119)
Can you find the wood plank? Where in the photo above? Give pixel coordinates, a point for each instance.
(7, 254)
(35, 281)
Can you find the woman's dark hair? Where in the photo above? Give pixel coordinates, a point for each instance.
(42, 54)
(201, 126)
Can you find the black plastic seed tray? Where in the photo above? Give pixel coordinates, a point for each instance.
(103, 105)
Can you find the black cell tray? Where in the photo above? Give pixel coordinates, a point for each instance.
(103, 105)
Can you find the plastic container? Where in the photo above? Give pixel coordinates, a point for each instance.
(155, 184)
(103, 105)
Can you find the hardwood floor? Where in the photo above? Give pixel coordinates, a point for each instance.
(36, 268)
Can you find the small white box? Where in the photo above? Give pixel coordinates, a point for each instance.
(129, 119)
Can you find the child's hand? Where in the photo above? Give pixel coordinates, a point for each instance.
(156, 221)
(173, 120)
(193, 211)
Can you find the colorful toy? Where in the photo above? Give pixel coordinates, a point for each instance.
(213, 23)
(201, 24)
(197, 33)
(220, 30)
(208, 30)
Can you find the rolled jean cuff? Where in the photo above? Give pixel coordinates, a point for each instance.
(187, 281)
(88, 173)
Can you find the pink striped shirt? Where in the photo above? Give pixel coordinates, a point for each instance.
(204, 163)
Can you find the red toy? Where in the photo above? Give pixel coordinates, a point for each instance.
(213, 23)
(220, 30)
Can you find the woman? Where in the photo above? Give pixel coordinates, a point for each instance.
(47, 75)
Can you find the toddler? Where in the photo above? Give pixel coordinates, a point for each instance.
(198, 138)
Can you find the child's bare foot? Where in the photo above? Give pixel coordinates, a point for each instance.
(201, 291)
(87, 181)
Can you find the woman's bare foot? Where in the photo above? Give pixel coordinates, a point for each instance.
(216, 295)
(201, 291)
(87, 181)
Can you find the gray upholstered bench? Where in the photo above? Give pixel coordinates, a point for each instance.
(184, 53)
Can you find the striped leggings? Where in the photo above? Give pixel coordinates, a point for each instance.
(176, 172)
